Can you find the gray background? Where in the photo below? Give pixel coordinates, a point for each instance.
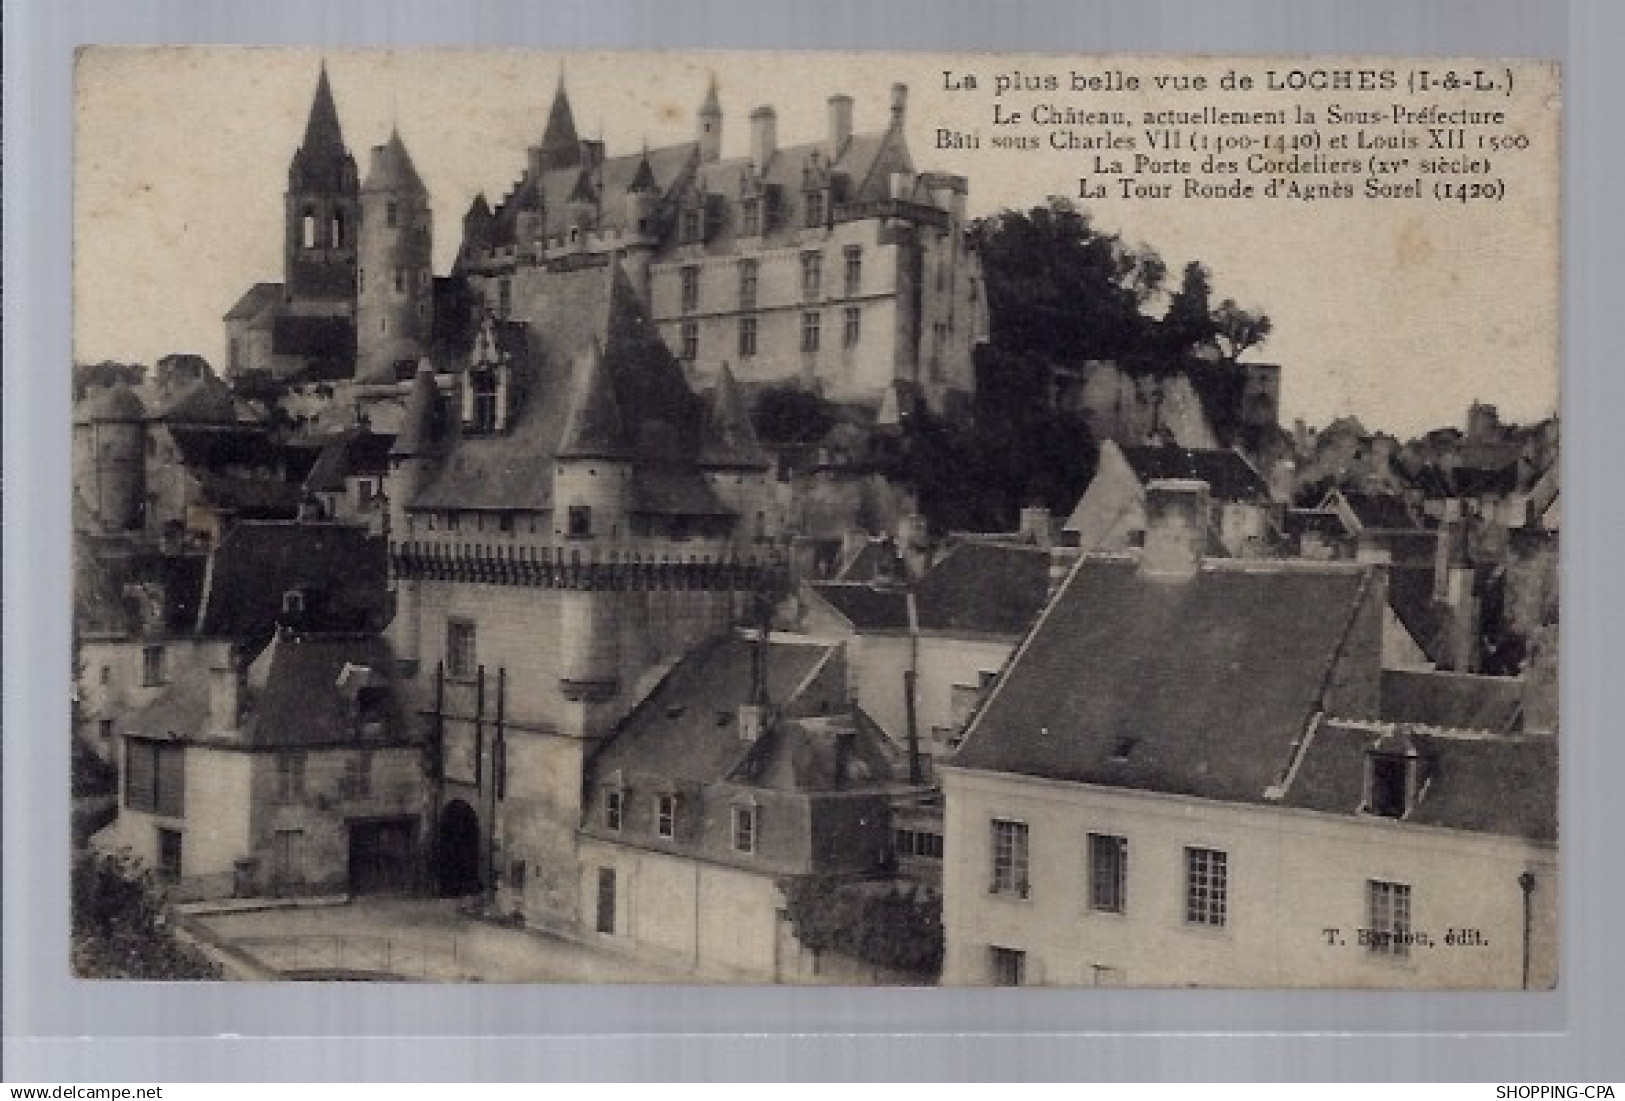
(61, 1030)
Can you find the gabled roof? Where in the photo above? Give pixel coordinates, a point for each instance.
(255, 303)
(1505, 786)
(984, 588)
(1194, 687)
(867, 607)
(687, 729)
(305, 691)
(1228, 475)
(341, 569)
(355, 452)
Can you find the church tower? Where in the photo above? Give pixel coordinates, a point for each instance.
(322, 211)
(709, 125)
(395, 281)
(560, 146)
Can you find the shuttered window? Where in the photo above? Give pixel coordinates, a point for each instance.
(155, 777)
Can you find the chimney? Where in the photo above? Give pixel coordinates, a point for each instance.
(764, 136)
(899, 103)
(840, 123)
(752, 721)
(913, 543)
(1176, 526)
(225, 692)
(1038, 526)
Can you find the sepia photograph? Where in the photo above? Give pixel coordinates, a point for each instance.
(848, 519)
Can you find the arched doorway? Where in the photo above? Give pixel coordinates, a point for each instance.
(457, 850)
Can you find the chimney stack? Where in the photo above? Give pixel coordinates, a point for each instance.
(225, 692)
(764, 136)
(899, 103)
(840, 123)
(1176, 527)
(752, 721)
(1038, 526)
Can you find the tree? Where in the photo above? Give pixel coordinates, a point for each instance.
(1189, 324)
(120, 928)
(791, 415)
(1237, 330)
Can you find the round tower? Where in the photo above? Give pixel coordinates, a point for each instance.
(395, 282)
(109, 456)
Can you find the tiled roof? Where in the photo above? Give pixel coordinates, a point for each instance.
(342, 569)
(660, 414)
(866, 607)
(1461, 701)
(1229, 477)
(983, 587)
(687, 729)
(1194, 687)
(1493, 785)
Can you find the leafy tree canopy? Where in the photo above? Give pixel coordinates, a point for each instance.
(119, 926)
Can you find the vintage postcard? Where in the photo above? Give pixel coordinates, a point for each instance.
(816, 518)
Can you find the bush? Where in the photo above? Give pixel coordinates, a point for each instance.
(119, 925)
(896, 927)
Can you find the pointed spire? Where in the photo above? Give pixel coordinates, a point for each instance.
(479, 208)
(560, 137)
(644, 178)
(322, 134)
(594, 429)
(423, 425)
(392, 168)
(730, 438)
(713, 105)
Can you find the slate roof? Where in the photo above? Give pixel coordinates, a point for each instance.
(660, 415)
(301, 696)
(392, 168)
(876, 560)
(1460, 701)
(248, 498)
(728, 438)
(866, 607)
(984, 588)
(215, 446)
(1228, 475)
(1504, 786)
(355, 452)
(1385, 511)
(1195, 687)
(343, 570)
(687, 730)
(255, 303)
(330, 338)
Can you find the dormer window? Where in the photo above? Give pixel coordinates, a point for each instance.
(691, 223)
(745, 827)
(666, 816)
(293, 602)
(614, 808)
(1395, 774)
(483, 384)
(817, 207)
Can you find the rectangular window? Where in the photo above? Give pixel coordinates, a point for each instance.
(1108, 872)
(155, 777)
(106, 674)
(1010, 858)
(691, 289)
(391, 213)
(812, 274)
(745, 829)
(854, 269)
(811, 322)
(751, 222)
(666, 816)
(169, 855)
(815, 209)
(460, 654)
(1389, 917)
(690, 341)
(614, 803)
(691, 225)
(1009, 966)
(290, 777)
(400, 280)
(504, 298)
(852, 326)
(358, 775)
(152, 665)
(1207, 887)
(747, 336)
(104, 727)
(1389, 782)
(606, 900)
(579, 518)
(748, 275)
(288, 857)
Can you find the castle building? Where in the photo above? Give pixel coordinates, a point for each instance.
(568, 520)
(832, 264)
